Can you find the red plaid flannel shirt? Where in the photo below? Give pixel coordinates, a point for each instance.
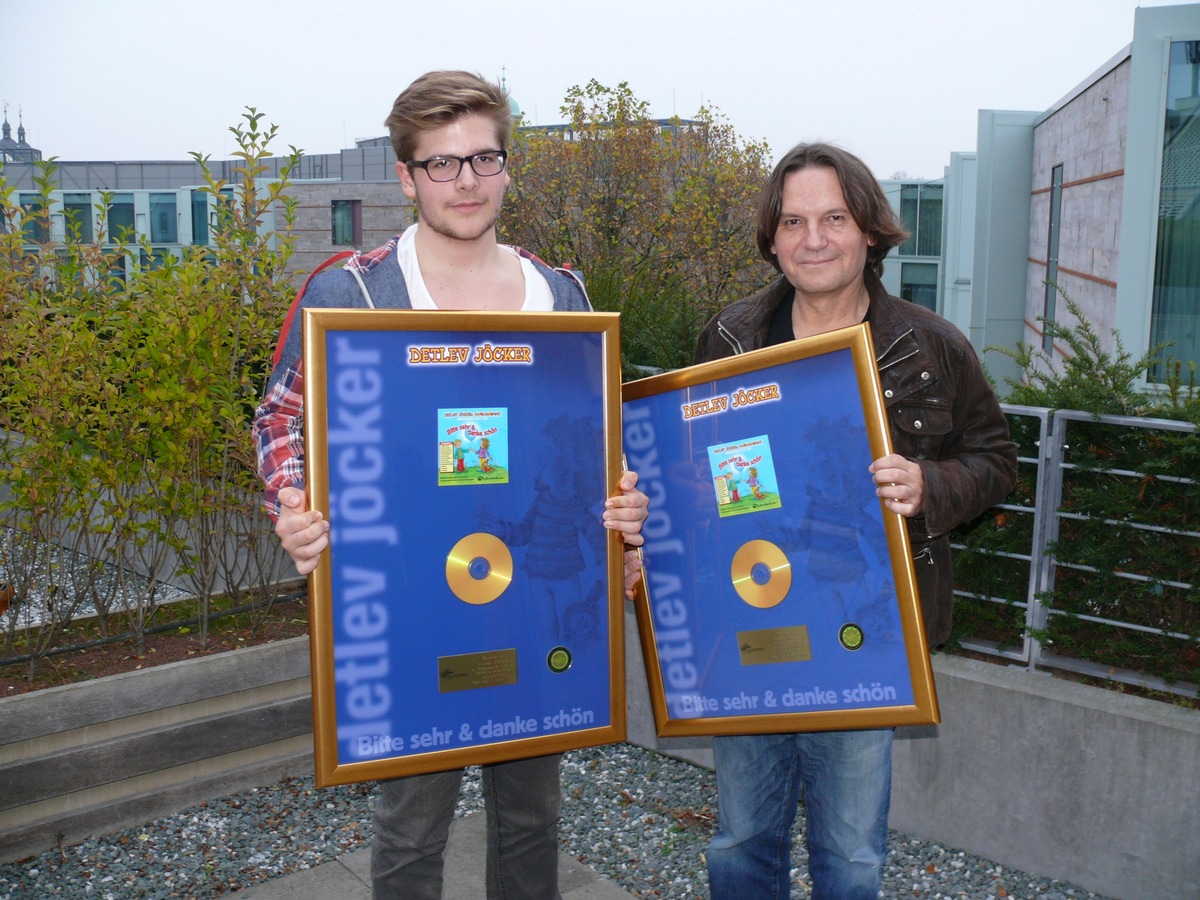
(279, 421)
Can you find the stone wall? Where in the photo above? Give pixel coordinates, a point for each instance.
(385, 213)
(1087, 137)
(1035, 772)
(99, 756)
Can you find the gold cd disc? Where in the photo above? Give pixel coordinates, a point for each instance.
(761, 573)
(479, 568)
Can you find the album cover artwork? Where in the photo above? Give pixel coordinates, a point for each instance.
(472, 446)
(743, 474)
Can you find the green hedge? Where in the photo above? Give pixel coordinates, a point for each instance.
(1128, 541)
(127, 393)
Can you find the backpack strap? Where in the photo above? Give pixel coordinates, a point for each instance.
(291, 313)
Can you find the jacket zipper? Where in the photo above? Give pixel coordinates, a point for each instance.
(881, 365)
(729, 338)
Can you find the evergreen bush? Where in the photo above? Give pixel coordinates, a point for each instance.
(1126, 592)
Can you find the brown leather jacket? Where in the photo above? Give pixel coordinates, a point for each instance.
(942, 411)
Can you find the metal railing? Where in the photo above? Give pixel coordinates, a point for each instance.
(1047, 549)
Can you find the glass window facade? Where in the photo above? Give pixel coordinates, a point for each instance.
(120, 218)
(223, 209)
(199, 217)
(77, 214)
(347, 223)
(1175, 313)
(1050, 297)
(164, 223)
(921, 213)
(918, 284)
(35, 226)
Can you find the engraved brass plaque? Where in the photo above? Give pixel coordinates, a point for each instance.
(773, 645)
(468, 671)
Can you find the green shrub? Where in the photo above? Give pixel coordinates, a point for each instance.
(1127, 550)
(128, 400)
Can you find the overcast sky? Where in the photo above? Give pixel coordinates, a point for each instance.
(899, 82)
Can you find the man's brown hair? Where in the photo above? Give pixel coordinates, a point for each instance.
(864, 198)
(438, 98)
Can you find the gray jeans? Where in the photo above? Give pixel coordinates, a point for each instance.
(412, 822)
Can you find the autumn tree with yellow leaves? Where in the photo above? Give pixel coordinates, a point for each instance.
(657, 215)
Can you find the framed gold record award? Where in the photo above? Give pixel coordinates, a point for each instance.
(469, 608)
(779, 594)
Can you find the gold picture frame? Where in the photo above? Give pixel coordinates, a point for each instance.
(780, 593)
(469, 609)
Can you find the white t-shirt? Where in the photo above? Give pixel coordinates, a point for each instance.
(538, 296)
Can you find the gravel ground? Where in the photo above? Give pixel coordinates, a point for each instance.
(70, 566)
(639, 818)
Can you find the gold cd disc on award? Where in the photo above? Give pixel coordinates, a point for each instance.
(761, 573)
(479, 568)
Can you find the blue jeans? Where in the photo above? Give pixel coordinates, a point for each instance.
(847, 780)
(412, 822)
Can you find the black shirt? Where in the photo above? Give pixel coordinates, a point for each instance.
(780, 330)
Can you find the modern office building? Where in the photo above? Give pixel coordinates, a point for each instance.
(1096, 198)
(913, 270)
(343, 201)
(1148, 241)
(346, 200)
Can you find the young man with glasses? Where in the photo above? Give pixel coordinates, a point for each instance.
(450, 131)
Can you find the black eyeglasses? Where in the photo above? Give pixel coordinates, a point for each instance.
(448, 168)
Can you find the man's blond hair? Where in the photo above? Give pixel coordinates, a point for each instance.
(438, 98)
